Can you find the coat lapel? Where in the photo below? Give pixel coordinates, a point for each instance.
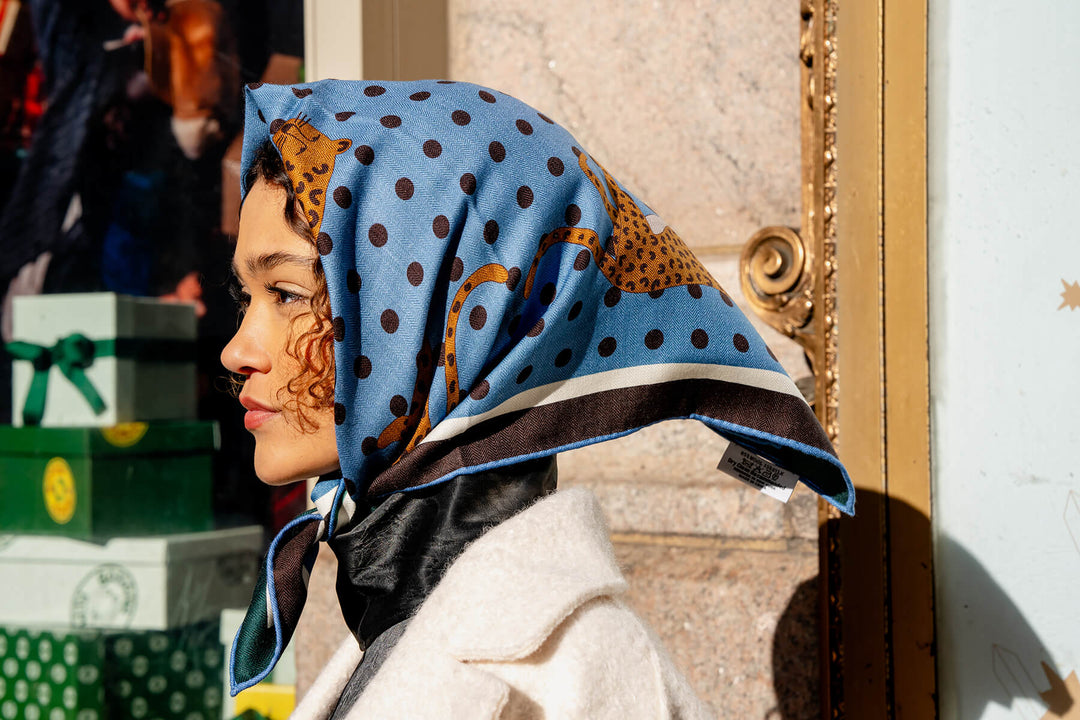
(499, 601)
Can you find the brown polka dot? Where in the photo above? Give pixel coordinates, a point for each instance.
(254, 85)
(654, 339)
(301, 92)
(537, 328)
(339, 413)
(389, 320)
(497, 151)
(404, 188)
(491, 232)
(390, 121)
(450, 359)
(726, 298)
(606, 347)
(612, 296)
(460, 117)
(432, 148)
(772, 354)
(524, 196)
(740, 342)
(582, 260)
(456, 269)
(656, 294)
(555, 166)
(352, 281)
(545, 118)
(694, 290)
(440, 226)
(524, 374)
(699, 339)
(343, 116)
(419, 96)
(478, 317)
(339, 328)
(369, 445)
(480, 391)
(524, 127)
(563, 358)
(445, 82)
(276, 125)
(374, 90)
(547, 293)
(324, 244)
(513, 277)
(377, 235)
(574, 149)
(415, 274)
(362, 367)
(399, 405)
(486, 96)
(442, 355)
(468, 183)
(364, 155)
(573, 214)
(342, 196)
(574, 311)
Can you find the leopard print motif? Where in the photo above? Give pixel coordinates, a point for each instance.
(636, 259)
(309, 162)
(419, 426)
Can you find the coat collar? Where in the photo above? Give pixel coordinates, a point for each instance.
(499, 601)
(519, 581)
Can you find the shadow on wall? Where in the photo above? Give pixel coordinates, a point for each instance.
(1009, 664)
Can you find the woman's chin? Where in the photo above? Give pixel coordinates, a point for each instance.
(281, 468)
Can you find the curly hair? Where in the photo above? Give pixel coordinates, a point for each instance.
(312, 348)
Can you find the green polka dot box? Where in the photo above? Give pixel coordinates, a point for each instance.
(99, 675)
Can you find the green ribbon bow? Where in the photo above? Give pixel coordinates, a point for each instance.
(72, 355)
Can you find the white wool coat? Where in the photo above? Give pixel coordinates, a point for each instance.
(529, 622)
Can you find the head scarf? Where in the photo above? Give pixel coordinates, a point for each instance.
(497, 296)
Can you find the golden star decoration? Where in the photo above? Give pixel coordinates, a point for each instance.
(1070, 296)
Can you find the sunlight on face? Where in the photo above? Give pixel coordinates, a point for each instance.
(274, 268)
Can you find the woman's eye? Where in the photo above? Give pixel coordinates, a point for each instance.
(283, 296)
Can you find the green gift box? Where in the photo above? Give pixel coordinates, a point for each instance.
(86, 675)
(129, 479)
(99, 359)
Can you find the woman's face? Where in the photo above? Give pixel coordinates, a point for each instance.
(274, 268)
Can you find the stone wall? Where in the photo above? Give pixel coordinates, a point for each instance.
(695, 106)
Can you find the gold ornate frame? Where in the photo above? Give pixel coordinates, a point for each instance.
(858, 264)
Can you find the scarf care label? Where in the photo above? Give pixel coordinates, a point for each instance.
(758, 472)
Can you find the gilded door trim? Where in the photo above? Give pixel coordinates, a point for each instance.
(851, 287)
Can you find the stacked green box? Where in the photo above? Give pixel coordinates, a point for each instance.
(126, 480)
(93, 675)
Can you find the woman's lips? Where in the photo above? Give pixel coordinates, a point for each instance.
(256, 413)
(255, 418)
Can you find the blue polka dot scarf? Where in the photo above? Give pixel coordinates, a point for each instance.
(497, 296)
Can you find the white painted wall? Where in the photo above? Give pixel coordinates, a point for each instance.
(1004, 184)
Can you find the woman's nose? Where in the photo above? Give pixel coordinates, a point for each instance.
(244, 354)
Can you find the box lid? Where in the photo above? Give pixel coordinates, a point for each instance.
(125, 439)
(148, 550)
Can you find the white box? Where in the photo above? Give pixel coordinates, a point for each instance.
(147, 583)
(133, 390)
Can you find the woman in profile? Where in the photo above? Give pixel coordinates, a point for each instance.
(441, 290)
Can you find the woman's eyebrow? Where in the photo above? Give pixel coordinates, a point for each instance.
(269, 261)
